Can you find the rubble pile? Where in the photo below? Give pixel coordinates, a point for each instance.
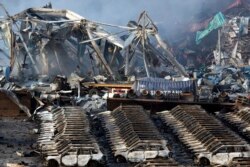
(48, 44)
(46, 39)
(224, 84)
(234, 47)
(53, 52)
(64, 71)
(94, 104)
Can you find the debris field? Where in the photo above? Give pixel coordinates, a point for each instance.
(77, 92)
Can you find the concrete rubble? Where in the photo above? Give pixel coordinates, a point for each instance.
(100, 94)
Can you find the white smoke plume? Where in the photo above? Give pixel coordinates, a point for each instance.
(171, 16)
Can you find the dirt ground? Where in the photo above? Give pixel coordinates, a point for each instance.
(17, 143)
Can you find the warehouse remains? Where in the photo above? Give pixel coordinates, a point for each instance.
(99, 94)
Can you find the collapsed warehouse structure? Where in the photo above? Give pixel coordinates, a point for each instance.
(77, 44)
(62, 67)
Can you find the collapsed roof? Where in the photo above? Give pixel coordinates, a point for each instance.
(46, 42)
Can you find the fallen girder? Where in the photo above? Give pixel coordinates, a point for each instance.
(209, 140)
(65, 137)
(132, 135)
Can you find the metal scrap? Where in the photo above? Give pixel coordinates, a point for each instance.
(60, 42)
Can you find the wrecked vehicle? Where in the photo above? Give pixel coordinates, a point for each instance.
(132, 135)
(212, 143)
(75, 69)
(65, 137)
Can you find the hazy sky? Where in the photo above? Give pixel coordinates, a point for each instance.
(168, 14)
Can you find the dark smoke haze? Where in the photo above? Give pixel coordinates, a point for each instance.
(171, 16)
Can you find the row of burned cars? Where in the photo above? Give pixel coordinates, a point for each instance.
(67, 137)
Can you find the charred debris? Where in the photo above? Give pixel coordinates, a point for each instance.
(66, 71)
(57, 54)
(47, 46)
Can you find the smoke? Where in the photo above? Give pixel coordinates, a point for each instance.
(171, 16)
